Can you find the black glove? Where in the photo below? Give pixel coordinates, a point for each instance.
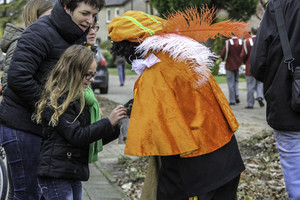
(128, 107)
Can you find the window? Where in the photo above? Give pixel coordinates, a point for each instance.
(108, 15)
(117, 12)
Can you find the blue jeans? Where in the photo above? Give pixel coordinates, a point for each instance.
(121, 72)
(22, 153)
(288, 144)
(57, 189)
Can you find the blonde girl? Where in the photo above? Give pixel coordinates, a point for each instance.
(69, 114)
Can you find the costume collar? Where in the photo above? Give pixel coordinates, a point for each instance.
(139, 65)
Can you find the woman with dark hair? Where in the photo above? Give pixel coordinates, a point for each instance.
(38, 49)
(179, 112)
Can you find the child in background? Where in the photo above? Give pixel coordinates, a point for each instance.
(69, 114)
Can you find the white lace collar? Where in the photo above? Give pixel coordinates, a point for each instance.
(140, 65)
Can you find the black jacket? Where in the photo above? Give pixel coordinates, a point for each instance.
(65, 148)
(267, 64)
(38, 50)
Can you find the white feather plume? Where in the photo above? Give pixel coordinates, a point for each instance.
(181, 48)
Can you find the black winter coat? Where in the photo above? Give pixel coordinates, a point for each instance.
(267, 64)
(65, 148)
(38, 50)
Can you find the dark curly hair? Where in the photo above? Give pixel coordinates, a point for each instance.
(125, 49)
(73, 4)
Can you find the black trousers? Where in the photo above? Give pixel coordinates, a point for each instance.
(207, 176)
(225, 192)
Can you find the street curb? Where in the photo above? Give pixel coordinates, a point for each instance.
(111, 180)
(107, 175)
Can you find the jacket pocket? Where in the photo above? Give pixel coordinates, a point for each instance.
(66, 159)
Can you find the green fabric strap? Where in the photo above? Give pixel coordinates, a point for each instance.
(92, 103)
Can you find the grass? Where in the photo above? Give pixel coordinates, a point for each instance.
(222, 79)
(219, 79)
(114, 71)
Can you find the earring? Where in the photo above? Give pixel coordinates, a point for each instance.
(130, 59)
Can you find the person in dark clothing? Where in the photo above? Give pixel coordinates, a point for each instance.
(267, 65)
(39, 48)
(120, 62)
(70, 117)
(231, 54)
(179, 113)
(252, 84)
(33, 10)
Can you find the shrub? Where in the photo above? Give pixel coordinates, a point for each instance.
(106, 45)
(109, 58)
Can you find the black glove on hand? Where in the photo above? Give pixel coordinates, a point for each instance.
(128, 107)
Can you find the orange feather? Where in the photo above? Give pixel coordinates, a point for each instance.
(199, 25)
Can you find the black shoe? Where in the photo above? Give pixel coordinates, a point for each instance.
(232, 104)
(260, 101)
(249, 107)
(237, 100)
(121, 84)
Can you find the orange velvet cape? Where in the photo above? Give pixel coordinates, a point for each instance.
(172, 114)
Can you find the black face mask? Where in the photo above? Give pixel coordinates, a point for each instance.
(131, 58)
(125, 49)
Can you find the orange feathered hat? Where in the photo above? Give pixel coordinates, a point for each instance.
(136, 26)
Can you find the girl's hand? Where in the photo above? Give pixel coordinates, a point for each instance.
(117, 114)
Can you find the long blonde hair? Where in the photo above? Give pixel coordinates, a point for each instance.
(34, 9)
(65, 79)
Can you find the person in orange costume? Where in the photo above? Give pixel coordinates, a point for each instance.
(179, 112)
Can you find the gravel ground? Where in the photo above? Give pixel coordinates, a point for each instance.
(262, 179)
